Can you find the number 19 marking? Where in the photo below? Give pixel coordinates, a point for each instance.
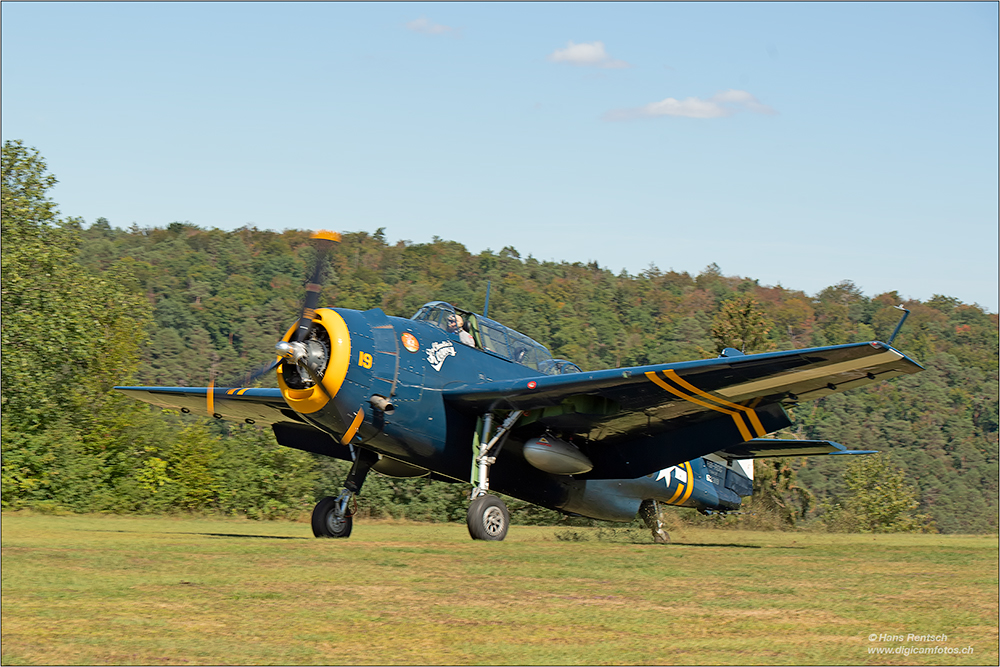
(364, 360)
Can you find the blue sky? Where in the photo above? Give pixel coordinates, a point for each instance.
(798, 144)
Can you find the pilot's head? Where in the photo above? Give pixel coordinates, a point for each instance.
(455, 323)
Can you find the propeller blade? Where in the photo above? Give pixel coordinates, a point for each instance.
(315, 377)
(253, 376)
(219, 393)
(210, 396)
(324, 241)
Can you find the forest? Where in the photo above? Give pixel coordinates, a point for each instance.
(88, 305)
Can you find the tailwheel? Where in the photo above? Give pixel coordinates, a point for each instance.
(650, 512)
(488, 518)
(331, 518)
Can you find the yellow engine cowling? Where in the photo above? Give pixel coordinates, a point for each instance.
(312, 399)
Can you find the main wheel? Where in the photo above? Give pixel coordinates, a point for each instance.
(326, 523)
(488, 519)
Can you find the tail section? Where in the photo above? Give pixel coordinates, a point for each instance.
(704, 483)
(718, 482)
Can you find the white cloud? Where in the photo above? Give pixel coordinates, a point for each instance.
(428, 27)
(741, 100)
(722, 104)
(589, 54)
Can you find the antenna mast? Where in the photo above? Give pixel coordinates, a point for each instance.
(899, 326)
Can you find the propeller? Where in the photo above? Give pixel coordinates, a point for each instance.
(300, 350)
(303, 351)
(306, 347)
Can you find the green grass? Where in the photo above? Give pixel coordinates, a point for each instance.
(117, 590)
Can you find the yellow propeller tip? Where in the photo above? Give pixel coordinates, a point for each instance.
(327, 236)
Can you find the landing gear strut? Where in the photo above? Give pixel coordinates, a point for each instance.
(334, 517)
(488, 518)
(650, 512)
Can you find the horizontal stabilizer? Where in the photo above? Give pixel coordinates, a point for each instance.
(760, 448)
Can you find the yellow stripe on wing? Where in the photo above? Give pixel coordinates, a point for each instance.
(751, 415)
(744, 431)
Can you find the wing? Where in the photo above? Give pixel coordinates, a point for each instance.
(764, 448)
(633, 421)
(253, 406)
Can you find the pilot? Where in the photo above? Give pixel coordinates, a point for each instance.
(456, 325)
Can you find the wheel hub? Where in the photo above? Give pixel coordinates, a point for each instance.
(493, 521)
(335, 523)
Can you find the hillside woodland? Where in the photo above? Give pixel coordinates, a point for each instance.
(87, 306)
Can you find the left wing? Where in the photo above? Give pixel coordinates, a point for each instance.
(253, 406)
(633, 421)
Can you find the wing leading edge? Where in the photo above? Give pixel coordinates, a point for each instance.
(254, 406)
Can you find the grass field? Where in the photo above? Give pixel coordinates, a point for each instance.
(121, 590)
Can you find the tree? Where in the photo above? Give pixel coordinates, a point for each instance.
(68, 336)
(741, 324)
(879, 499)
(778, 493)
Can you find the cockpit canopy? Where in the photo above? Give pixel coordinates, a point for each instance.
(495, 338)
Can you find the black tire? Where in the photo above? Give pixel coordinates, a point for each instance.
(325, 522)
(488, 519)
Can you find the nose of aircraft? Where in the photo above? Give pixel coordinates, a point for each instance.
(327, 352)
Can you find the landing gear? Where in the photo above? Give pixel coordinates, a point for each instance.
(334, 517)
(650, 512)
(330, 519)
(488, 519)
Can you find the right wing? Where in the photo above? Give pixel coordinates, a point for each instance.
(253, 406)
(633, 421)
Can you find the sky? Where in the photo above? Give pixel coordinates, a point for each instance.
(796, 144)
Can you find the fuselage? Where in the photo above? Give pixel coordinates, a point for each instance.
(411, 364)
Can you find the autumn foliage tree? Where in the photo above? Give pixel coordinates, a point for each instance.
(741, 324)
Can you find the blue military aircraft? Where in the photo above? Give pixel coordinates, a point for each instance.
(457, 397)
